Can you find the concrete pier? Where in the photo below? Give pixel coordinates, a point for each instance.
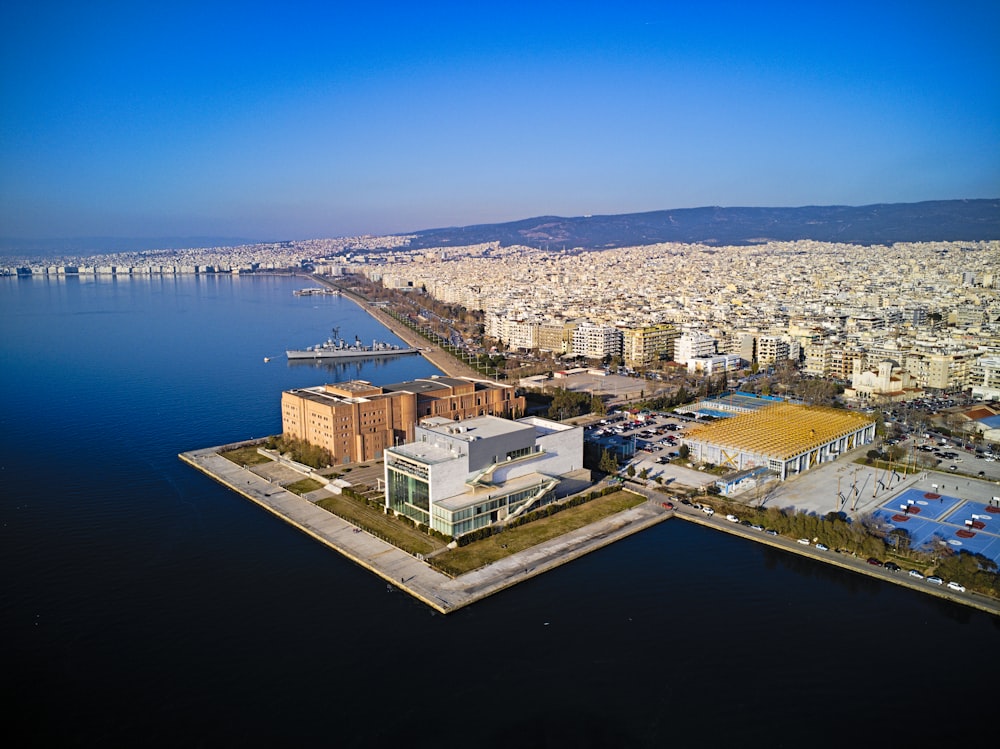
(442, 593)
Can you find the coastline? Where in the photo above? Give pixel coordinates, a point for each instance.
(414, 576)
(446, 594)
(433, 353)
(844, 562)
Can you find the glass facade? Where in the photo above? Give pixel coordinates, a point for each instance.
(482, 514)
(409, 495)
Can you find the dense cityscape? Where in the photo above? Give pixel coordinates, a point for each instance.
(932, 308)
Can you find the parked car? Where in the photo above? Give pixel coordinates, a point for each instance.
(732, 518)
(758, 527)
(874, 561)
(934, 579)
(804, 541)
(771, 532)
(822, 547)
(708, 511)
(956, 586)
(916, 574)
(892, 566)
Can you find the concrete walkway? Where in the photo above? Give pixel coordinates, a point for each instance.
(416, 577)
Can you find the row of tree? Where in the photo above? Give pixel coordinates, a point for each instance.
(871, 537)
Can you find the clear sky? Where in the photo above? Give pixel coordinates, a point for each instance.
(297, 120)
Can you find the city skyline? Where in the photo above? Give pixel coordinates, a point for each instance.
(309, 121)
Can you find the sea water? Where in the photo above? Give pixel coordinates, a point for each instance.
(144, 604)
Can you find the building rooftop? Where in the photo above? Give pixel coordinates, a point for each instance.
(479, 427)
(424, 452)
(781, 431)
(473, 496)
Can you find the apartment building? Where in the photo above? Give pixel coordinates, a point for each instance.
(985, 378)
(597, 341)
(556, 336)
(691, 345)
(646, 345)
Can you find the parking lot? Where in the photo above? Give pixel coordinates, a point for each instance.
(649, 441)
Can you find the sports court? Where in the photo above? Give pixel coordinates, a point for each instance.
(965, 525)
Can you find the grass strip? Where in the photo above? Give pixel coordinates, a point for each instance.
(396, 532)
(304, 486)
(464, 559)
(245, 456)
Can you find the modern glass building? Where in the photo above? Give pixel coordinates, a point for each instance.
(458, 476)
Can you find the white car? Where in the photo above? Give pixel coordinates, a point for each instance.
(804, 541)
(708, 511)
(732, 518)
(914, 573)
(956, 586)
(822, 547)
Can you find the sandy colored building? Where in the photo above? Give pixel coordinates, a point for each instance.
(650, 344)
(357, 421)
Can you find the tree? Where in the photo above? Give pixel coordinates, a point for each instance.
(597, 406)
(683, 452)
(631, 471)
(609, 463)
(566, 404)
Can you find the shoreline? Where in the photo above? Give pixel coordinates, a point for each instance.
(445, 594)
(848, 563)
(433, 353)
(416, 577)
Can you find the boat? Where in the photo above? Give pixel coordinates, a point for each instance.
(337, 348)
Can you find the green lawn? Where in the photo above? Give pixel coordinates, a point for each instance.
(397, 532)
(304, 486)
(455, 562)
(245, 456)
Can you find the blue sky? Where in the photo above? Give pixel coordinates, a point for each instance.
(301, 119)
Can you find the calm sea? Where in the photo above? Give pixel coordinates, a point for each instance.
(145, 605)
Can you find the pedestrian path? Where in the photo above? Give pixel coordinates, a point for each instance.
(407, 572)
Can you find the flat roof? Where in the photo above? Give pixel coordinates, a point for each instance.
(545, 426)
(782, 431)
(415, 386)
(475, 496)
(423, 452)
(478, 427)
(320, 395)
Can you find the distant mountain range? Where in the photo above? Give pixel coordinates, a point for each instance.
(884, 223)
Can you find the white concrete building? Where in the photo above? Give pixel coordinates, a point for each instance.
(458, 476)
(985, 378)
(691, 345)
(709, 365)
(597, 341)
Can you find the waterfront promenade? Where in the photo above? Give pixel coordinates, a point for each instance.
(406, 572)
(445, 594)
(430, 351)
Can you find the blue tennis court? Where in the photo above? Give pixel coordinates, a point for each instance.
(939, 521)
(929, 507)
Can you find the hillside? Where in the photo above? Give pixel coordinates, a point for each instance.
(939, 220)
